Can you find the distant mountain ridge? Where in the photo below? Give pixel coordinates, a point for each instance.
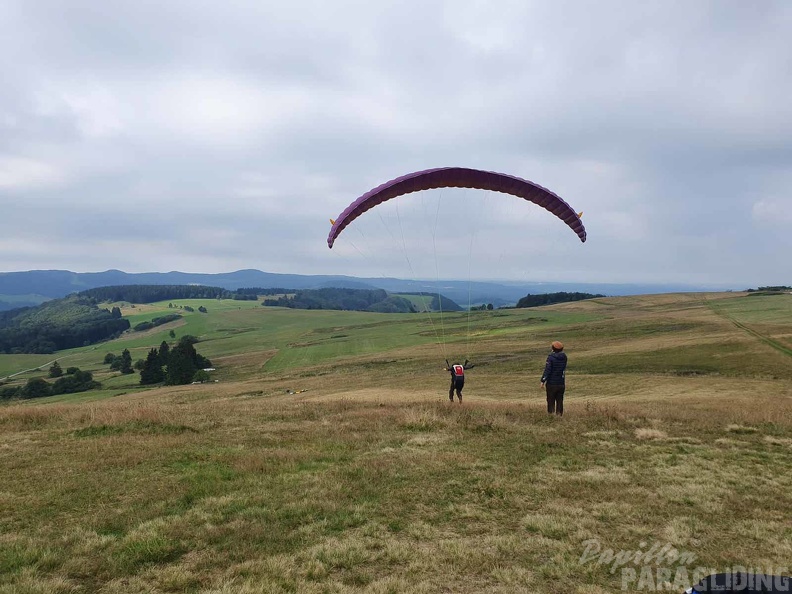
(39, 285)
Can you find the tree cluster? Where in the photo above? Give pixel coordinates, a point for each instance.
(57, 324)
(173, 366)
(73, 381)
(550, 298)
(122, 363)
(773, 289)
(482, 307)
(158, 321)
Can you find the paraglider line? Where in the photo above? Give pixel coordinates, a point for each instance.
(437, 270)
(412, 276)
(358, 250)
(470, 260)
(387, 228)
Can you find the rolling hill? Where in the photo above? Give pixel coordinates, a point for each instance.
(327, 458)
(35, 286)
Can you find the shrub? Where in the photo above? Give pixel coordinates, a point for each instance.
(36, 387)
(9, 392)
(78, 382)
(201, 376)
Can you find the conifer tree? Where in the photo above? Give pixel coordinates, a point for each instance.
(126, 362)
(55, 370)
(152, 372)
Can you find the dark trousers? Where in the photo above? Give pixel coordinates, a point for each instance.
(456, 384)
(555, 399)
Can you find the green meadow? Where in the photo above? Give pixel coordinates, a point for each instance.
(324, 455)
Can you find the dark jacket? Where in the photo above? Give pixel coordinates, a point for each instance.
(555, 369)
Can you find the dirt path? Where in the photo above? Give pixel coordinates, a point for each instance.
(38, 367)
(762, 337)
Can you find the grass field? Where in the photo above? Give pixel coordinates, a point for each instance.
(678, 433)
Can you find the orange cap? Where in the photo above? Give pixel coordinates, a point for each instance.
(557, 345)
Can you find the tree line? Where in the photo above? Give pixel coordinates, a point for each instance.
(252, 293)
(550, 298)
(154, 293)
(772, 289)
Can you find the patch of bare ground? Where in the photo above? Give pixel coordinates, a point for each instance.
(245, 364)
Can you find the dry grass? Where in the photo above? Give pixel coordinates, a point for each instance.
(276, 493)
(373, 482)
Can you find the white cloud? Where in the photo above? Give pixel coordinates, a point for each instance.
(214, 108)
(772, 212)
(95, 108)
(19, 173)
(256, 122)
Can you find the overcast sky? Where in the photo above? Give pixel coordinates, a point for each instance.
(216, 136)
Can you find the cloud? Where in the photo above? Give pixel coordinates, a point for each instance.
(772, 212)
(190, 135)
(19, 173)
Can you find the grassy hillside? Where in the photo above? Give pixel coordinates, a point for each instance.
(292, 338)
(678, 432)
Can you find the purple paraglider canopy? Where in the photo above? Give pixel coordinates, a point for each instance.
(459, 177)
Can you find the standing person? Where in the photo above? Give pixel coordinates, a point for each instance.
(553, 378)
(457, 378)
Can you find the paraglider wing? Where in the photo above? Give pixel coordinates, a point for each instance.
(459, 177)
